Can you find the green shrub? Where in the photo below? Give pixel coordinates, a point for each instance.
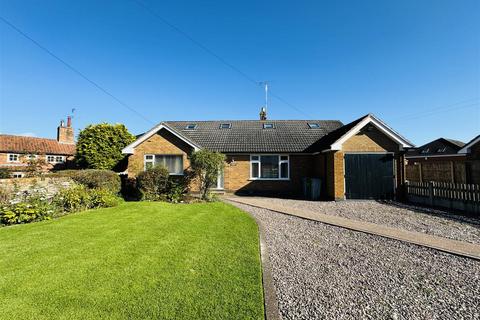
(102, 198)
(153, 183)
(94, 179)
(5, 173)
(100, 146)
(73, 199)
(175, 191)
(80, 198)
(25, 212)
(205, 166)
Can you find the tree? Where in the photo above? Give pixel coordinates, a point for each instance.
(205, 167)
(100, 146)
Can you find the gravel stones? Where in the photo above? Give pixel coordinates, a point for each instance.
(398, 215)
(327, 272)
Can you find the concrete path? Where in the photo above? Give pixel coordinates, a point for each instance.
(451, 246)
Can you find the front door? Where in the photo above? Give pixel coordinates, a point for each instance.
(369, 176)
(219, 183)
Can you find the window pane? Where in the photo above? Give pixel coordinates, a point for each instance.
(149, 157)
(284, 158)
(174, 164)
(269, 167)
(284, 169)
(255, 158)
(254, 169)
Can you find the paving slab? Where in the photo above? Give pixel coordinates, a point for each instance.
(447, 245)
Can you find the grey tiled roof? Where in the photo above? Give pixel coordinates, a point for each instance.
(250, 136)
(436, 147)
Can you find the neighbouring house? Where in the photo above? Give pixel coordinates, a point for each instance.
(438, 160)
(360, 160)
(19, 153)
(471, 150)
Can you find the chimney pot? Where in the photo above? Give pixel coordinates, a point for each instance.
(69, 121)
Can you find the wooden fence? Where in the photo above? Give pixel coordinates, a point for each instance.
(457, 196)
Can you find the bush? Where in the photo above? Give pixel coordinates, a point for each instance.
(5, 173)
(24, 212)
(100, 146)
(205, 166)
(80, 198)
(175, 191)
(153, 183)
(73, 199)
(101, 198)
(94, 179)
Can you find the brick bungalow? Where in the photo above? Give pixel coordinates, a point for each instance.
(437, 160)
(471, 150)
(54, 154)
(360, 160)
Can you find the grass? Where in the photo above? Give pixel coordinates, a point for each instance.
(137, 261)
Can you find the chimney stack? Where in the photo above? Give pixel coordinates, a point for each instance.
(263, 114)
(65, 134)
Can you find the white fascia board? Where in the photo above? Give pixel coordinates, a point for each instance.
(466, 148)
(130, 149)
(377, 123)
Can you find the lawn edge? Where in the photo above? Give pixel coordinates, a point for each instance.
(270, 301)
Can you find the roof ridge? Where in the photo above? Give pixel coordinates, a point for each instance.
(254, 120)
(27, 137)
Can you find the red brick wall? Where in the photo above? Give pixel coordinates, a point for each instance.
(23, 164)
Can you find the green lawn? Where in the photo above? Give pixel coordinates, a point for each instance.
(136, 261)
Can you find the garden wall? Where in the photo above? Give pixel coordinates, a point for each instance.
(42, 186)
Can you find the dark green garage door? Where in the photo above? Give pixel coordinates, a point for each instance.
(369, 176)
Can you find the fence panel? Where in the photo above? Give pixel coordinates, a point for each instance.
(457, 196)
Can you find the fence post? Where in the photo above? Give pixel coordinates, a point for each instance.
(430, 192)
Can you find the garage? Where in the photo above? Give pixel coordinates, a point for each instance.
(369, 176)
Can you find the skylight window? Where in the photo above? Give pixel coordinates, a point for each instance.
(268, 126)
(441, 150)
(225, 125)
(426, 150)
(314, 125)
(191, 126)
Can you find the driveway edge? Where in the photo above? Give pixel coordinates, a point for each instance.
(459, 248)
(270, 300)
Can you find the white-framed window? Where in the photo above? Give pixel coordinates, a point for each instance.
(173, 162)
(31, 157)
(269, 167)
(13, 157)
(18, 174)
(55, 159)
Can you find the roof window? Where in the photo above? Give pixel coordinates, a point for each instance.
(426, 150)
(441, 150)
(314, 125)
(268, 126)
(191, 126)
(225, 125)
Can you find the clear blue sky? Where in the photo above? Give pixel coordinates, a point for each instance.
(415, 64)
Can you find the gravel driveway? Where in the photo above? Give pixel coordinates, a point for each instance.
(398, 215)
(327, 272)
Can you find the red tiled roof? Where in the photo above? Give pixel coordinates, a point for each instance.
(20, 144)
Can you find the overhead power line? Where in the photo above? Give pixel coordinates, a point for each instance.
(213, 54)
(453, 106)
(75, 70)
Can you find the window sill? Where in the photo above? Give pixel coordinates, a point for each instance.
(176, 174)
